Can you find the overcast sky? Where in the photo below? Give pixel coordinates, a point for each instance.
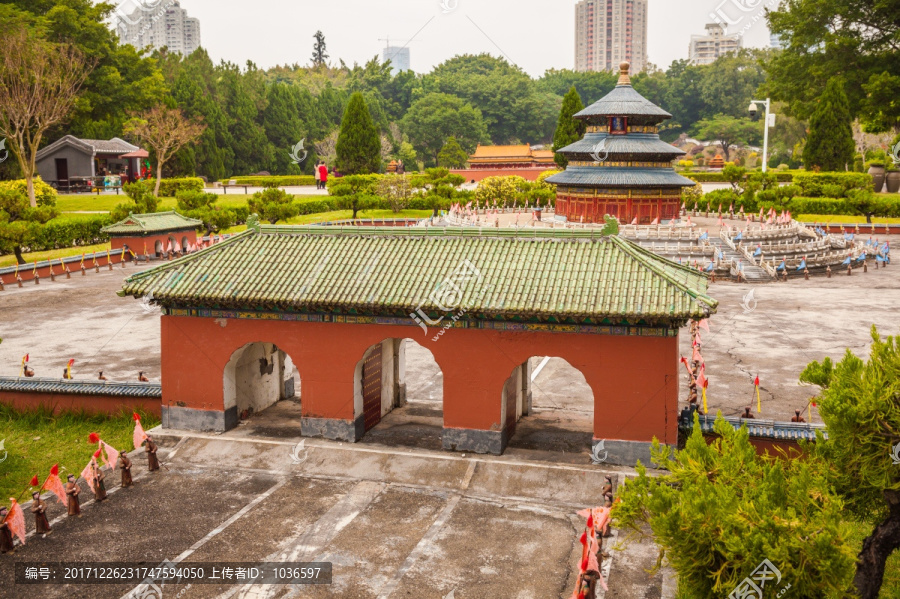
(535, 34)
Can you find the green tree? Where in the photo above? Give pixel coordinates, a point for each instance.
(142, 200)
(568, 129)
(396, 189)
(728, 131)
(39, 85)
(243, 97)
(452, 155)
(319, 55)
(202, 206)
(435, 117)
(859, 405)
(20, 222)
(354, 192)
(359, 142)
(591, 85)
(507, 97)
(273, 204)
(285, 127)
(728, 84)
(721, 509)
(829, 145)
(408, 155)
(852, 39)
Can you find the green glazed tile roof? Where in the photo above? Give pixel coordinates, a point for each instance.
(541, 274)
(615, 145)
(156, 222)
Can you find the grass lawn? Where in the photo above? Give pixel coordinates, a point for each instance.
(839, 218)
(36, 440)
(10, 259)
(80, 203)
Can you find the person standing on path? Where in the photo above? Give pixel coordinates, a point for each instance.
(151, 449)
(125, 465)
(316, 173)
(323, 174)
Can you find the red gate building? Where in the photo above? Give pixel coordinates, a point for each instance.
(338, 303)
(621, 167)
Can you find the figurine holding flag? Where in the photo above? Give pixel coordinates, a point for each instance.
(39, 509)
(758, 401)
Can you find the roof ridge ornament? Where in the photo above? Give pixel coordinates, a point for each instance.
(624, 79)
(253, 222)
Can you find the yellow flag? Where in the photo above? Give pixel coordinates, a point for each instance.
(758, 402)
(705, 409)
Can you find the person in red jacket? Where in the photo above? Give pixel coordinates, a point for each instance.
(323, 174)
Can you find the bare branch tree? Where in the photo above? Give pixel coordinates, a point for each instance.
(327, 148)
(39, 83)
(166, 130)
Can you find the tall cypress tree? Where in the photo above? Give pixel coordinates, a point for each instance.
(829, 145)
(568, 129)
(359, 142)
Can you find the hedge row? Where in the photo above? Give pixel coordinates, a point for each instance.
(274, 180)
(66, 233)
(720, 177)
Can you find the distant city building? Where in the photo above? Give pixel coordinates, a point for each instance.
(609, 32)
(705, 49)
(165, 24)
(775, 42)
(399, 58)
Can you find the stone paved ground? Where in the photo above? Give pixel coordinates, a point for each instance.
(394, 523)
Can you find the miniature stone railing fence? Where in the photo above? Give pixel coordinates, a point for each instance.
(47, 269)
(764, 434)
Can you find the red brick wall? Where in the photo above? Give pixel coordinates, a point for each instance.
(634, 379)
(531, 174)
(90, 403)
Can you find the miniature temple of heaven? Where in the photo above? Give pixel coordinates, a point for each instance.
(621, 167)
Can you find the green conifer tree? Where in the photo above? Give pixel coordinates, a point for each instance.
(568, 130)
(829, 145)
(359, 142)
(452, 155)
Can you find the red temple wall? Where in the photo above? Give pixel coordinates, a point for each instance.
(625, 209)
(138, 244)
(94, 404)
(634, 379)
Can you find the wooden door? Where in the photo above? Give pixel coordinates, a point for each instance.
(62, 170)
(372, 388)
(511, 392)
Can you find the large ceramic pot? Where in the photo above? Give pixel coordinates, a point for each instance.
(877, 173)
(893, 181)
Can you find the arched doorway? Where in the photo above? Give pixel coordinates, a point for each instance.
(258, 376)
(158, 248)
(398, 390)
(548, 406)
(184, 245)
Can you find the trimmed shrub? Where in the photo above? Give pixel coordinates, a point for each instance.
(169, 187)
(43, 192)
(316, 205)
(813, 185)
(805, 205)
(720, 177)
(721, 196)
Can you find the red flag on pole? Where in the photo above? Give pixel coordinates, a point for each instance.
(139, 434)
(16, 520)
(55, 486)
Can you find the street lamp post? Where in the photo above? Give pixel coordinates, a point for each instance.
(770, 122)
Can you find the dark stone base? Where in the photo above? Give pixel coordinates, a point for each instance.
(625, 453)
(476, 441)
(338, 430)
(199, 420)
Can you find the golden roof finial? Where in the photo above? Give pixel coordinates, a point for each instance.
(624, 79)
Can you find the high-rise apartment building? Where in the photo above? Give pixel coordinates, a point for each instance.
(399, 57)
(705, 49)
(609, 32)
(157, 24)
